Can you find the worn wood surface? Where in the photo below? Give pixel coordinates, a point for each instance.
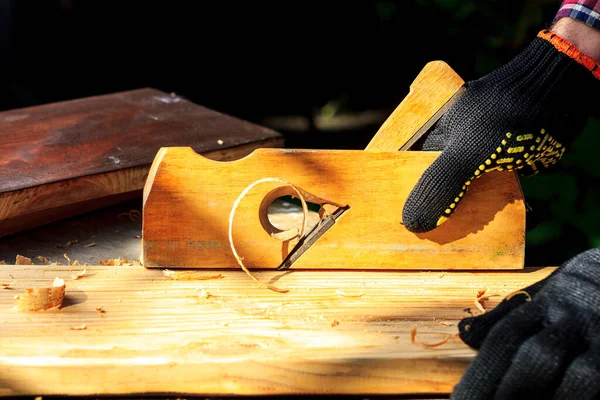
(188, 200)
(429, 93)
(334, 332)
(62, 159)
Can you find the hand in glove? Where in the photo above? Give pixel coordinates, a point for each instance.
(520, 117)
(541, 342)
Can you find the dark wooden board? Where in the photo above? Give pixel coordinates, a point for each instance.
(61, 159)
(66, 140)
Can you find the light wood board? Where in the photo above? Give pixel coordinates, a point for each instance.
(161, 336)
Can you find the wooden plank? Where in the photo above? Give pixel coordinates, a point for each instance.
(163, 336)
(63, 155)
(188, 200)
(429, 92)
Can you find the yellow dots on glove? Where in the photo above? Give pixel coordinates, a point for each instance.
(515, 152)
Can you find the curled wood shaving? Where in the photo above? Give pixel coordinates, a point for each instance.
(100, 309)
(75, 263)
(513, 294)
(342, 293)
(232, 213)
(481, 298)
(7, 285)
(446, 323)
(334, 323)
(79, 274)
(78, 328)
(42, 299)
(90, 245)
(190, 275)
(413, 338)
(22, 260)
(479, 305)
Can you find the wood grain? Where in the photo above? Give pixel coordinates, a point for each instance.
(163, 336)
(429, 92)
(58, 157)
(188, 200)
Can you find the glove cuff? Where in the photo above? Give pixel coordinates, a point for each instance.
(571, 50)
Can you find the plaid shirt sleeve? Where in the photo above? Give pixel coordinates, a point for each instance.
(587, 11)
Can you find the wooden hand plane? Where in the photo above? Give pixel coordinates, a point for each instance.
(200, 213)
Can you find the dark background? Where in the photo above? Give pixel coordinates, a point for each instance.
(325, 74)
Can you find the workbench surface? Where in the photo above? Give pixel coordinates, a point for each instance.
(334, 332)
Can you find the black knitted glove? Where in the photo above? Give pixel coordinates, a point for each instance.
(539, 343)
(519, 117)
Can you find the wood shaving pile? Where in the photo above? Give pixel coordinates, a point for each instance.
(42, 299)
